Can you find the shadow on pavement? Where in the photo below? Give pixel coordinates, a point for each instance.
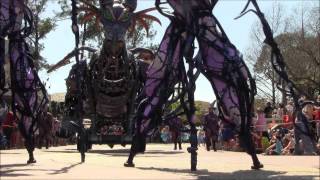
(121, 152)
(9, 153)
(241, 174)
(12, 173)
(7, 170)
(125, 152)
(64, 170)
(2, 166)
(10, 170)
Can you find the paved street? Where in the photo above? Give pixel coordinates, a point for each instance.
(159, 162)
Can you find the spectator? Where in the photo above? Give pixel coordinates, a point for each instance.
(185, 137)
(3, 114)
(236, 146)
(227, 134)
(289, 109)
(302, 99)
(261, 129)
(265, 142)
(316, 115)
(257, 140)
(280, 111)
(318, 101)
(317, 130)
(276, 144)
(268, 110)
(165, 134)
(301, 133)
(318, 147)
(275, 115)
(201, 136)
(9, 127)
(289, 146)
(261, 123)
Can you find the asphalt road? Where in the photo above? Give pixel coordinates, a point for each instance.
(160, 161)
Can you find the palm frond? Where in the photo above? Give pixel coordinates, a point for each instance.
(141, 18)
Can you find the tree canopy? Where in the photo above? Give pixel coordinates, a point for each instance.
(302, 58)
(298, 37)
(42, 27)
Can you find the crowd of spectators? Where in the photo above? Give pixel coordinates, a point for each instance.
(276, 130)
(285, 133)
(11, 138)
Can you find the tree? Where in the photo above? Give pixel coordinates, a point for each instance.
(42, 26)
(299, 43)
(201, 109)
(302, 59)
(266, 81)
(140, 37)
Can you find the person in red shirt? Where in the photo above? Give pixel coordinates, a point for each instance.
(9, 126)
(289, 112)
(316, 112)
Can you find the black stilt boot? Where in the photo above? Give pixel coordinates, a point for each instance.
(129, 162)
(247, 142)
(30, 148)
(214, 146)
(208, 144)
(138, 146)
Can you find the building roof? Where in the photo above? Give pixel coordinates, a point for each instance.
(58, 97)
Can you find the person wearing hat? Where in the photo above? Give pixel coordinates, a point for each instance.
(211, 128)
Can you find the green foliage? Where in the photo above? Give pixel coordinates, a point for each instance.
(302, 59)
(299, 44)
(201, 110)
(140, 38)
(65, 9)
(42, 27)
(45, 26)
(260, 103)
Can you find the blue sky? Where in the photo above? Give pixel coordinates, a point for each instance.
(61, 41)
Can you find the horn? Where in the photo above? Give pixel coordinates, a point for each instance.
(130, 4)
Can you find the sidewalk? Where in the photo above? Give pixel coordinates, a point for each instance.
(159, 162)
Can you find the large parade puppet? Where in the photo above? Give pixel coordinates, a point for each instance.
(105, 90)
(218, 60)
(29, 97)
